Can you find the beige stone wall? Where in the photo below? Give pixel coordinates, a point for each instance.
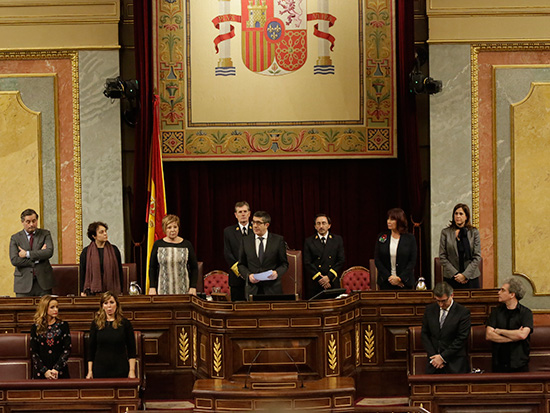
(59, 23)
(487, 20)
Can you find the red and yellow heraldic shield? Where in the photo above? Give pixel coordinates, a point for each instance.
(274, 35)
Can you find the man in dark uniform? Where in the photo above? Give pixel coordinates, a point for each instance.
(323, 257)
(232, 237)
(509, 327)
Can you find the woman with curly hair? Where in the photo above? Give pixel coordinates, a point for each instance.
(50, 341)
(112, 345)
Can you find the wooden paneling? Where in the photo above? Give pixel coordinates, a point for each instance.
(186, 338)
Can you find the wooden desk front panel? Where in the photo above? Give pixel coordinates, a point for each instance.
(487, 393)
(363, 335)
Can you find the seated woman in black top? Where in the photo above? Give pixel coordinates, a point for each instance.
(112, 346)
(50, 342)
(100, 263)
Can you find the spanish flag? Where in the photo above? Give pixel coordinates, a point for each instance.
(157, 195)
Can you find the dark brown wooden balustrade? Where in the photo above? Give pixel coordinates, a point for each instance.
(363, 336)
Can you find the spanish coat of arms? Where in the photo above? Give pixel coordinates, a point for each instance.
(274, 36)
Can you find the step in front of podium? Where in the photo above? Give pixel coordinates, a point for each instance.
(323, 395)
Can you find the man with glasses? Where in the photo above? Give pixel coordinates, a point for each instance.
(263, 252)
(323, 257)
(232, 239)
(445, 331)
(509, 327)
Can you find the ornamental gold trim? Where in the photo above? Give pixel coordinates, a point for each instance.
(76, 154)
(332, 353)
(195, 346)
(357, 345)
(217, 356)
(183, 345)
(72, 55)
(475, 49)
(369, 343)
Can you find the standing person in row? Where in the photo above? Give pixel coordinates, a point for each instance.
(30, 253)
(173, 267)
(324, 257)
(50, 342)
(263, 252)
(232, 238)
(509, 327)
(112, 345)
(445, 332)
(395, 253)
(460, 250)
(100, 263)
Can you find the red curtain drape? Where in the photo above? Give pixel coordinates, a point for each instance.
(355, 193)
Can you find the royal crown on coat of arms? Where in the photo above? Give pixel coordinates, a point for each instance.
(274, 36)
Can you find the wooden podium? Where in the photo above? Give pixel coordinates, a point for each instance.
(274, 393)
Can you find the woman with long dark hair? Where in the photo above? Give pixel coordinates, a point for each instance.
(460, 250)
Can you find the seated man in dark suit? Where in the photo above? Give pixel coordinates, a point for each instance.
(263, 252)
(445, 331)
(323, 257)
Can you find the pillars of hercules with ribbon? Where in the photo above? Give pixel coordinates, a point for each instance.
(325, 42)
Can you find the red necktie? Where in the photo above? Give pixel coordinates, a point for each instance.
(31, 240)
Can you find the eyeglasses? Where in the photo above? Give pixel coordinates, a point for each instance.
(258, 222)
(443, 300)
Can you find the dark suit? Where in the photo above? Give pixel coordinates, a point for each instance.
(232, 238)
(322, 260)
(449, 341)
(274, 259)
(406, 260)
(38, 265)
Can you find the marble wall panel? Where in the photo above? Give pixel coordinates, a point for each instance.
(20, 171)
(101, 156)
(450, 130)
(39, 94)
(512, 85)
(494, 215)
(60, 64)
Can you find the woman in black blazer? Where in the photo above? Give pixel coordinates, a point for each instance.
(395, 254)
(460, 250)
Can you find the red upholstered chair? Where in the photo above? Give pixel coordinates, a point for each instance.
(216, 278)
(356, 279)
